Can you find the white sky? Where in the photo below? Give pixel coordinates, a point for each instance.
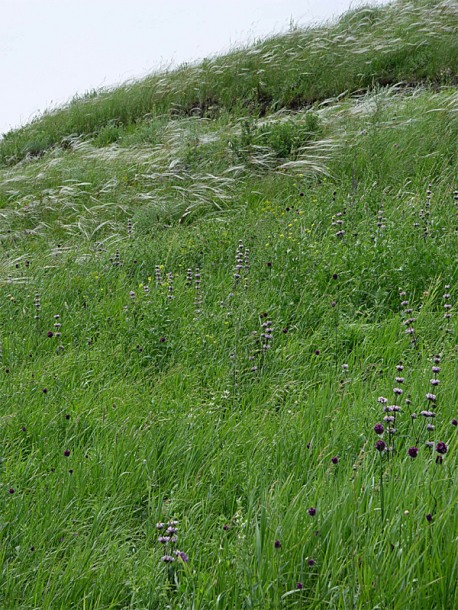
(52, 49)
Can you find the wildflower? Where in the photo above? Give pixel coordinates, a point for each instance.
(335, 460)
(412, 452)
(160, 526)
(50, 334)
(434, 382)
(277, 544)
(454, 422)
(431, 397)
(182, 556)
(312, 511)
(429, 517)
(167, 559)
(11, 490)
(398, 391)
(299, 585)
(382, 400)
(67, 452)
(311, 562)
(378, 428)
(163, 539)
(441, 447)
(380, 445)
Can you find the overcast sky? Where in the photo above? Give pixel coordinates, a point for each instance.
(51, 50)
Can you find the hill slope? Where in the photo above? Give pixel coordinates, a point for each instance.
(234, 308)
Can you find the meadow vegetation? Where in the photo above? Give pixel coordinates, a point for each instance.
(228, 350)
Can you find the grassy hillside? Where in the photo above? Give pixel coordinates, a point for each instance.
(228, 306)
(408, 42)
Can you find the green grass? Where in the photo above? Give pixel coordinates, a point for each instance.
(410, 42)
(150, 409)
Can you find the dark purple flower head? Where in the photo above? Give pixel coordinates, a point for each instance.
(398, 391)
(412, 452)
(378, 428)
(299, 585)
(382, 400)
(67, 452)
(431, 397)
(162, 340)
(50, 334)
(441, 447)
(277, 544)
(335, 459)
(380, 445)
(454, 422)
(11, 490)
(311, 562)
(312, 511)
(317, 352)
(160, 526)
(225, 527)
(429, 517)
(163, 539)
